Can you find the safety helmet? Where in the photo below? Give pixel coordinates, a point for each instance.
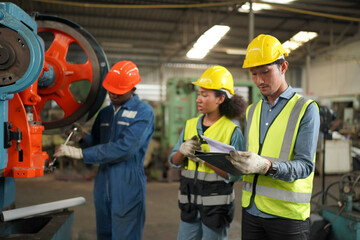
(263, 50)
(216, 77)
(122, 77)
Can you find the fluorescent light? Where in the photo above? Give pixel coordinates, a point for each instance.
(197, 53)
(278, 1)
(260, 6)
(255, 6)
(236, 51)
(291, 45)
(207, 41)
(298, 40)
(304, 37)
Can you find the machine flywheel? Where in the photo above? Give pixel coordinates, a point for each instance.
(71, 88)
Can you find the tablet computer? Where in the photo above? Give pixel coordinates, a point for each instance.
(219, 160)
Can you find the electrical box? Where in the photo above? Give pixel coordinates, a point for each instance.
(338, 156)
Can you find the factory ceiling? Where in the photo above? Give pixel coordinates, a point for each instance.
(162, 31)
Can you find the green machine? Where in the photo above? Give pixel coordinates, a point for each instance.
(179, 106)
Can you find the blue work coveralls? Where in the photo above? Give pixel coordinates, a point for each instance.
(118, 143)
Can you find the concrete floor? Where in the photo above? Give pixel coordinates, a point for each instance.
(162, 210)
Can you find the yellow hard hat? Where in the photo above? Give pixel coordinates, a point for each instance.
(216, 77)
(262, 50)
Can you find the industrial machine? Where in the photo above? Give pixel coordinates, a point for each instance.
(336, 214)
(341, 209)
(51, 71)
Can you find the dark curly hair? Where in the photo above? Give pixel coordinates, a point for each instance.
(233, 107)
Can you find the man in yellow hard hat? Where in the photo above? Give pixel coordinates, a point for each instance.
(118, 142)
(281, 137)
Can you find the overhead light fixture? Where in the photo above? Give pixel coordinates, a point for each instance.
(298, 40)
(304, 37)
(236, 51)
(255, 6)
(261, 6)
(278, 1)
(207, 41)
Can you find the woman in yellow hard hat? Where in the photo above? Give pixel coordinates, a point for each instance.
(206, 196)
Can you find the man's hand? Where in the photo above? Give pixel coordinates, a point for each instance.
(78, 135)
(249, 162)
(189, 147)
(68, 151)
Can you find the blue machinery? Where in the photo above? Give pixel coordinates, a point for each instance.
(29, 68)
(343, 219)
(39, 66)
(339, 221)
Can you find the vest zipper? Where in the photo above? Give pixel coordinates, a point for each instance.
(196, 172)
(253, 192)
(195, 180)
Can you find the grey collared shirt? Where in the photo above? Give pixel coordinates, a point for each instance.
(305, 146)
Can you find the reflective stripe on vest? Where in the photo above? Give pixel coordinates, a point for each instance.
(290, 129)
(282, 195)
(280, 198)
(213, 200)
(204, 176)
(198, 174)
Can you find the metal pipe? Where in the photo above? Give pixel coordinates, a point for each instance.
(39, 209)
(251, 21)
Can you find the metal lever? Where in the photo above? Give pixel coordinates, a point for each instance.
(11, 135)
(66, 141)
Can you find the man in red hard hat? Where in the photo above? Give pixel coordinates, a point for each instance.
(118, 142)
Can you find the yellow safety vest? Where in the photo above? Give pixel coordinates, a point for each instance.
(273, 196)
(201, 189)
(221, 131)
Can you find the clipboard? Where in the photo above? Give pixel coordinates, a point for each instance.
(219, 160)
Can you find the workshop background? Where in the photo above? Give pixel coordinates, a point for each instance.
(157, 36)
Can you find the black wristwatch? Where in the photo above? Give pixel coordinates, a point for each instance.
(272, 170)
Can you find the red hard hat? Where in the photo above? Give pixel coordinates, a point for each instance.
(122, 77)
